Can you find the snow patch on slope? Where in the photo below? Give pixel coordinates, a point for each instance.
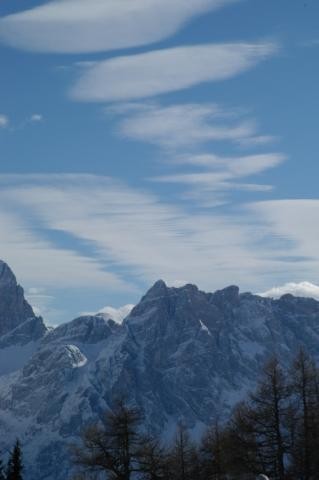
(76, 357)
(204, 328)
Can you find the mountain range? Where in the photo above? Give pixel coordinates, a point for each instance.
(180, 355)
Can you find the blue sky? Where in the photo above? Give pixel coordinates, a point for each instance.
(146, 139)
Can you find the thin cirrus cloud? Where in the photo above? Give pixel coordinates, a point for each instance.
(23, 248)
(167, 70)
(135, 231)
(296, 222)
(292, 227)
(182, 126)
(239, 166)
(82, 26)
(225, 170)
(148, 238)
(202, 184)
(42, 304)
(183, 131)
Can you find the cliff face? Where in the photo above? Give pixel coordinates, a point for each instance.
(14, 309)
(181, 354)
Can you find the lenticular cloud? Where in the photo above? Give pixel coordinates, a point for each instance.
(79, 26)
(167, 70)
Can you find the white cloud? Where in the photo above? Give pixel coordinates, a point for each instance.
(40, 301)
(4, 121)
(211, 181)
(223, 174)
(148, 239)
(295, 222)
(302, 289)
(224, 169)
(238, 166)
(193, 127)
(32, 119)
(36, 118)
(116, 314)
(167, 70)
(253, 164)
(181, 126)
(75, 26)
(37, 261)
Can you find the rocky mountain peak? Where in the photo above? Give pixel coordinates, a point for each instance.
(7, 277)
(159, 289)
(155, 297)
(227, 295)
(14, 309)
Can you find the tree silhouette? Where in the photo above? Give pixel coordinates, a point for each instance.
(15, 466)
(111, 446)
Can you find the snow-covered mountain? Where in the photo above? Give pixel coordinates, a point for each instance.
(180, 354)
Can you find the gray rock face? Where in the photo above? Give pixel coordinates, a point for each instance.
(88, 329)
(32, 329)
(20, 330)
(7, 277)
(180, 354)
(14, 309)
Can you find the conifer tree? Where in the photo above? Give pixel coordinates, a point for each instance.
(304, 388)
(241, 448)
(183, 461)
(212, 454)
(151, 459)
(113, 446)
(15, 466)
(258, 437)
(270, 404)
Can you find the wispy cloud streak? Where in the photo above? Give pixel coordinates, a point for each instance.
(147, 238)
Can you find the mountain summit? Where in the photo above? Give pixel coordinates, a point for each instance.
(7, 277)
(14, 309)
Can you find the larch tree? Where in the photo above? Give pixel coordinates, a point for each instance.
(111, 446)
(304, 389)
